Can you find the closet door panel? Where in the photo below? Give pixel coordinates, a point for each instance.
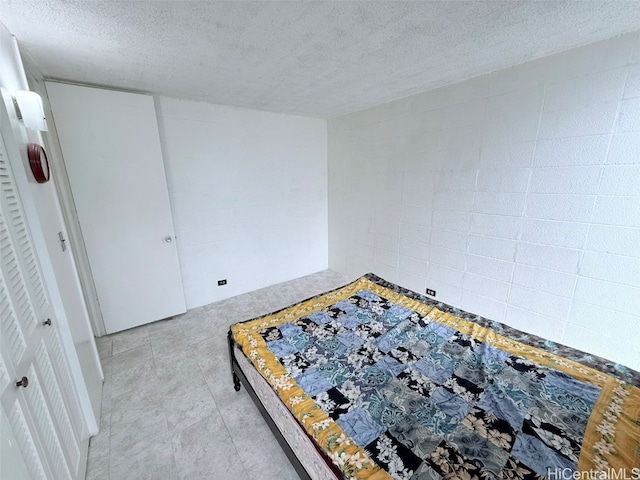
(37, 395)
(111, 148)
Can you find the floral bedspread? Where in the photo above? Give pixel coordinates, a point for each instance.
(393, 385)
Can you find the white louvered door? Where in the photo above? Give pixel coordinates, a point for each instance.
(45, 437)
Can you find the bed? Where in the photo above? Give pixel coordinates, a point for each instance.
(373, 381)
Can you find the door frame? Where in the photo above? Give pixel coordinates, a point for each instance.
(70, 217)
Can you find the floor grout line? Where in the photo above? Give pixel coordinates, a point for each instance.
(218, 315)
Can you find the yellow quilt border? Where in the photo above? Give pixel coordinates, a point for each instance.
(613, 428)
(351, 459)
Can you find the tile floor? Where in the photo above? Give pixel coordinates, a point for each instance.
(169, 410)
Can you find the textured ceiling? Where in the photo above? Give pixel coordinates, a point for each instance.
(310, 58)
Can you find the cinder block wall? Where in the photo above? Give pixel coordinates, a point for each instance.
(514, 195)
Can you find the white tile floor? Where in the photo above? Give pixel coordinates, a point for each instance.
(169, 408)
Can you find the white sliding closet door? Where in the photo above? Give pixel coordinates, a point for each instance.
(41, 418)
(111, 148)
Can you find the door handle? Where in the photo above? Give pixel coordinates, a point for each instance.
(63, 241)
(24, 382)
(168, 239)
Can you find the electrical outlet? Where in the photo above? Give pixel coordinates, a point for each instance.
(431, 292)
(222, 282)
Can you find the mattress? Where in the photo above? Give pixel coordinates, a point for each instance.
(390, 384)
(299, 442)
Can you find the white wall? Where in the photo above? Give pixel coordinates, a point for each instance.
(514, 195)
(248, 193)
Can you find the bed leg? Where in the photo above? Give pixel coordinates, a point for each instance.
(236, 380)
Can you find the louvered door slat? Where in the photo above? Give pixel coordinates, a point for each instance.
(22, 256)
(14, 273)
(48, 435)
(5, 308)
(62, 371)
(16, 288)
(11, 329)
(25, 442)
(57, 405)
